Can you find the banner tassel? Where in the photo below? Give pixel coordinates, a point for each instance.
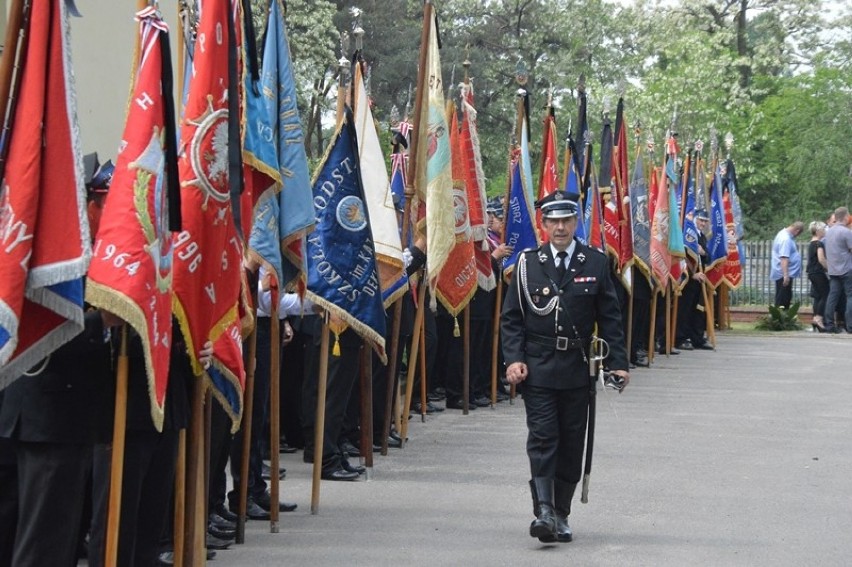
(456, 330)
(335, 351)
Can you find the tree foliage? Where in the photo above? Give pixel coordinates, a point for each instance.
(775, 73)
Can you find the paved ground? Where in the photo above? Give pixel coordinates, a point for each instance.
(735, 457)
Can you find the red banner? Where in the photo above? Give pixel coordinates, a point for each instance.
(457, 280)
(45, 237)
(209, 251)
(131, 270)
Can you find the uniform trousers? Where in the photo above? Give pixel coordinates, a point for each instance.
(556, 420)
(8, 498)
(51, 476)
(149, 476)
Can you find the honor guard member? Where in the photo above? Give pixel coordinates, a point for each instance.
(558, 293)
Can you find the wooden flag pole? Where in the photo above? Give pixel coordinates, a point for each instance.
(248, 408)
(195, 526)
(652, 338)
(14, 34)
(179, 544)
(319, 423)
(495, 340)
(421, 360)
(412, 362)
(117, 463)
(366, 376)
(393, 355)
(274, 415)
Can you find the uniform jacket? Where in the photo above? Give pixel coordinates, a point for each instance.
(71, 400)
(587, 295)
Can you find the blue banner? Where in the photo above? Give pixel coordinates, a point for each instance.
(690, 231)
(341, 257)
(520, 230)
(297, 214)
(639, 212)
(717, 242)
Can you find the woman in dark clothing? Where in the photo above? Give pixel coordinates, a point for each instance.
(817, 266)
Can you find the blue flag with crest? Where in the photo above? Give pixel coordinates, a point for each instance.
(520, 220)
(717, 242)
(341, 257)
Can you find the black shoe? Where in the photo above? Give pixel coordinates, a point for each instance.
(211, 542)
(166, 558)
(641, 360)
(308, 456)
(685, 345)
(663, 351)
(705, 346)
(347, 466)
(220, 533)
(226, 514)
(459, 404)
(338, 474)
(350, 449)
(221, 522)
(253, 511)
(481, 401)
(502, 396)
(435, 397)
(430, 408)
(285, 447)
(264, 502)
(266, 472)
(393, 443)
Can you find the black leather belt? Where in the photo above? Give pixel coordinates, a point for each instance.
(559, 343)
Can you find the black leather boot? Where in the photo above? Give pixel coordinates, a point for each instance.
(563, 494)
(544, 525)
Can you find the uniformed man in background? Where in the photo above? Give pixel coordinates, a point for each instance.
(558, 293)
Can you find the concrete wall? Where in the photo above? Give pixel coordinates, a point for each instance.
(102, 43)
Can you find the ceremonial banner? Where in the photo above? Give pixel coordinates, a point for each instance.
(208, 270)
(661, 259)
(131, 270)
(457, 280)
(717, 242)
(732, 268)
(476, 196)
(730, 176)
(378, 197)
(46, 245)
(296, 218)
(608, 193)
(342, 273)
(621, 197)
(432, 205)
(641, 218)
(548, 180)
(573, 186)
(520, 232)
(675, 239)
(594, 214)
(690, 231)
(260, 162)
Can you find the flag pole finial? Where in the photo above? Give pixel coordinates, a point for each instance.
(729, 143)
(466, 64)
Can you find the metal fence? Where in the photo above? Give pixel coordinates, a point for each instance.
(756, 287)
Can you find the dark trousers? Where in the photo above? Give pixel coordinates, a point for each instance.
(839, 286)
(556, 420)
(220, 450)
(260, 412)
(52, 481)
(449, 361)
(433, 380)
(8, 500)
(146, 488)
(481, 335)
(691, 320)
(783, 293)
(641, 314)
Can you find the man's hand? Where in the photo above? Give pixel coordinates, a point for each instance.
(205, 356)
(516, 373)
(286, 332)
(502, 251)
(624, 375)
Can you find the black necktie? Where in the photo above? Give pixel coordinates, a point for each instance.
(563, 259)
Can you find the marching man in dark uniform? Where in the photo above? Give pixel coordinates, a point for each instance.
(557, 295)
